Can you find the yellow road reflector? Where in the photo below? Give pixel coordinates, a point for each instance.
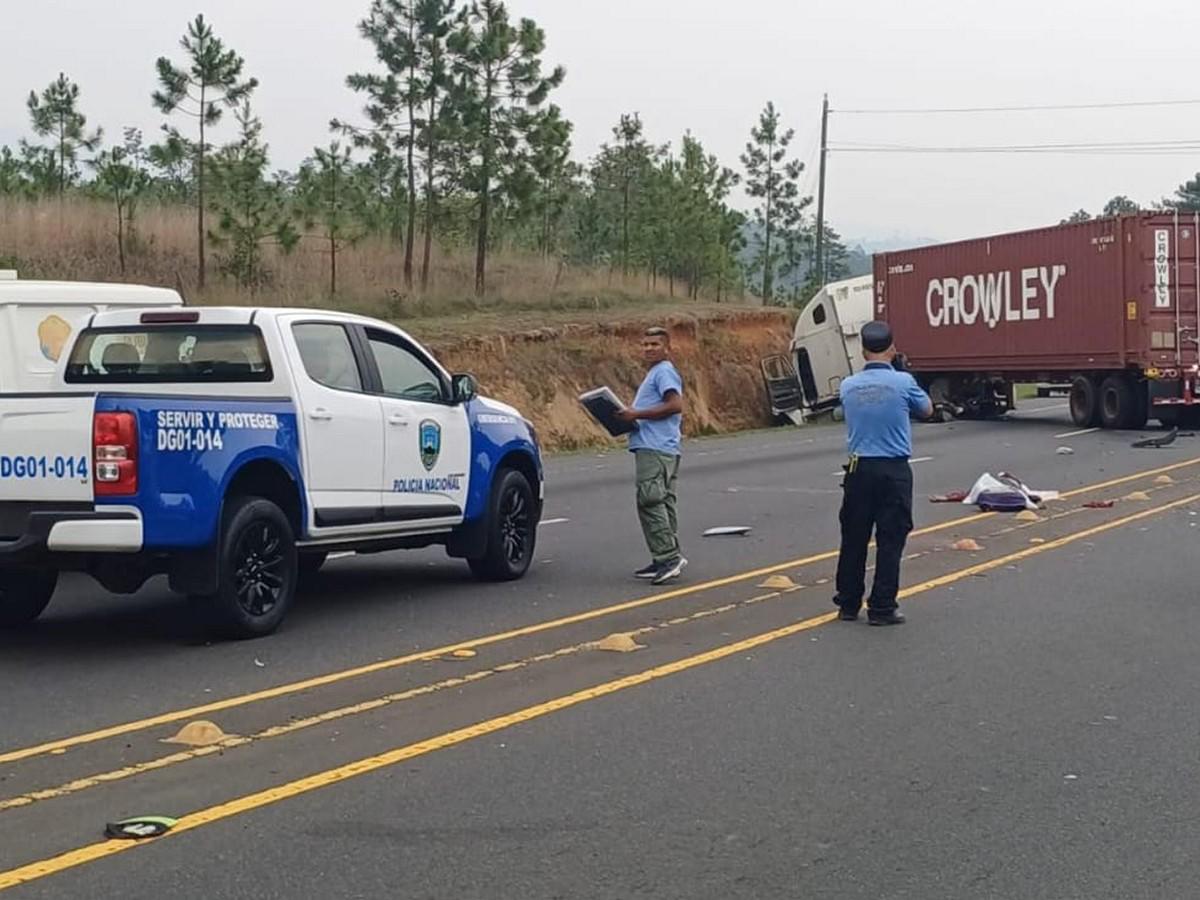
(778, 583)
(200, 733)
(622, 642)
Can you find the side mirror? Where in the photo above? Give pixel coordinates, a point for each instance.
(465, 387)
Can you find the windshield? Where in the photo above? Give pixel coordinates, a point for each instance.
(171, 353)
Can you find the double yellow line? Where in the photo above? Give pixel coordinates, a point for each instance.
(295, 687)
(190, 822)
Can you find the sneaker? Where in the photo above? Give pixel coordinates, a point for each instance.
(647, 572)
(669, 571)
(890, 617)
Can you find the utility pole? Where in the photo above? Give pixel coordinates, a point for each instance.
(820, 260)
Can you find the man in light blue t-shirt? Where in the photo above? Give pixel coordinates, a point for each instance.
(658, 413)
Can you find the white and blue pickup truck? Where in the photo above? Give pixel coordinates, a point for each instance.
(234, 449)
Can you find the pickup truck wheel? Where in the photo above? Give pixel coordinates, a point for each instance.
(24, 595)
(511, 530)
(257, 569)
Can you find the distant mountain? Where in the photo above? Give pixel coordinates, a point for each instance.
(892, 242)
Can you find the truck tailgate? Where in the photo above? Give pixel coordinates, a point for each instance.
(46, 448)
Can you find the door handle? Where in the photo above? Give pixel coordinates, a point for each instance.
(397, 419)
(320, 414)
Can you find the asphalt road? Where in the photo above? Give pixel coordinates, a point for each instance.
(410, 733)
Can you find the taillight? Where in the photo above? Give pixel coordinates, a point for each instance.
(114, 450)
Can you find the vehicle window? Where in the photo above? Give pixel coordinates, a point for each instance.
(402, 372)
(327, 355)
(169, 353)
(819, 315)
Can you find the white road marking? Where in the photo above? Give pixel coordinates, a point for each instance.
(1068, 434)
(553, 521)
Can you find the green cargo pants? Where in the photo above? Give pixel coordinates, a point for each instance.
(656, 503)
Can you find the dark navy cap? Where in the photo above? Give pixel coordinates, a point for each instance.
(876, 337)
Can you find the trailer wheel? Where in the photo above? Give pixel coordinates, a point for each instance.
(1118, 405)
(24, 595)
(1085, 402)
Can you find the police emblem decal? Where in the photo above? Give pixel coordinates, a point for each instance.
(431, 443)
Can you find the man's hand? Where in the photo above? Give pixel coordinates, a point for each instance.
(628, 416)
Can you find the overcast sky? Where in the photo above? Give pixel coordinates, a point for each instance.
(709, 66)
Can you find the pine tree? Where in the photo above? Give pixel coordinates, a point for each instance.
(56, 114)
(773, 180)
(499, 87)
(436, 124)
(1187, 196)
(392, 27)
(331, 197)
(210, 79)
(122, 177)
(252, 212)
(1120, 205)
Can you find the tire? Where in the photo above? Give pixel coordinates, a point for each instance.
(511, 530)
(1085, 402)
(257, 569)
(310, 564)
(24, 595)
(1118, 403)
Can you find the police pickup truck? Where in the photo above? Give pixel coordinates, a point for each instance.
(233, 449)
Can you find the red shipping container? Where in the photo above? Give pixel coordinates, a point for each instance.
(1110, 301)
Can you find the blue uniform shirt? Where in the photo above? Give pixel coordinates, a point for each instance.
(877, 402)
(662, 436)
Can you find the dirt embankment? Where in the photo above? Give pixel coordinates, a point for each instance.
(542, 372)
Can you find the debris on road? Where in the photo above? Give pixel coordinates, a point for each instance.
(778, 583)
(1137, 495)
(1005, 493)
(200, 733)
(950, 497)
(1164, 479)
(260, 664)
(1037, 540)
(1156, 442)
(1100, 504)
(728, 531)
(139, 828)
(1065, 451)
(967, 544)
(463, 653)
(622, 642)
(1028, 516)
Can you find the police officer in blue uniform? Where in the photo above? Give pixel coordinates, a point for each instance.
(878, 487)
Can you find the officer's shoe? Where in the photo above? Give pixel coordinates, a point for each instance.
(846, 613)
(891, 617)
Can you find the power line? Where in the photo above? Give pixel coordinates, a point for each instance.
(1004, 109)
(1115, 148)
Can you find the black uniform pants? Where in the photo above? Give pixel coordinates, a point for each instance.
(877, 496)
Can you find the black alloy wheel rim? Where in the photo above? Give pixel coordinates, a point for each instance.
(259, 575)
(514, 526)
